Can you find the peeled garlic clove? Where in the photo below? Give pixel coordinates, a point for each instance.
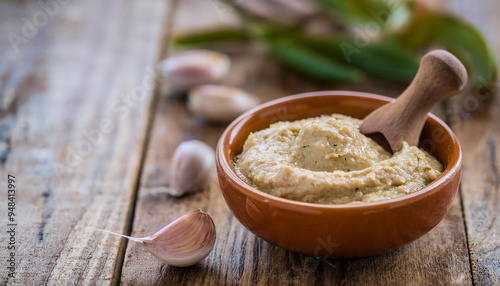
(192, 165)
(192, 68)
(184, 242)
(220, 103)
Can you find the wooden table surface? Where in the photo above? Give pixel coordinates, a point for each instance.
(90, 139)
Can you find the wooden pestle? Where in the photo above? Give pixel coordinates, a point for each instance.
(439, 76)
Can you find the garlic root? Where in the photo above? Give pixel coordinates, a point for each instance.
(134, 239)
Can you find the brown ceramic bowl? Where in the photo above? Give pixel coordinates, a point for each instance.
(336, 231)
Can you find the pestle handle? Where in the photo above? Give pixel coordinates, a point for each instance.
(439, 76)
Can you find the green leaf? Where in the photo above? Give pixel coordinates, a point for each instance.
(312, 63)
(384, 60)
(353, 11)
(387, 14)
(209, 37)
(458, 37)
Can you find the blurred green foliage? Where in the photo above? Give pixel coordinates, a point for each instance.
(377, 38)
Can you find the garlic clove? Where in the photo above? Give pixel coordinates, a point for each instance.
(184, 242)
(192, 165)
(220, 103)
(192, 68)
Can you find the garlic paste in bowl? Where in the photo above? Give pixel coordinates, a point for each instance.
(327, 160)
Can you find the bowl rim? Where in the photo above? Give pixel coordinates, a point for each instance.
(223, 163)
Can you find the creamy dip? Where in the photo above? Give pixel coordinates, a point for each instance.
(327, 160)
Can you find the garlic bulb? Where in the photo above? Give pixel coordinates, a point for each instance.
(192, 68)
(220, 103)
(192, 165)
(184, 242)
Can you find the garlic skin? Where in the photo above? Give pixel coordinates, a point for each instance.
(268, 10)
(184, 242)
(192, 165)
(219, 103)
(301, 8)
(192, 68)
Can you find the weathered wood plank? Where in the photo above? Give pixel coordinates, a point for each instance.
(479, 136)
(475, 116)
(75, 103)
(239, 257)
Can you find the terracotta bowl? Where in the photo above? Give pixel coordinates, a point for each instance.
(336, 231)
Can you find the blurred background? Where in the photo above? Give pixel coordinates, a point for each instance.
(280, 48)
(95, 96)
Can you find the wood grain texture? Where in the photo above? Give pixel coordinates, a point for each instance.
(475, 118)
(440, 257)
(75, 100)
